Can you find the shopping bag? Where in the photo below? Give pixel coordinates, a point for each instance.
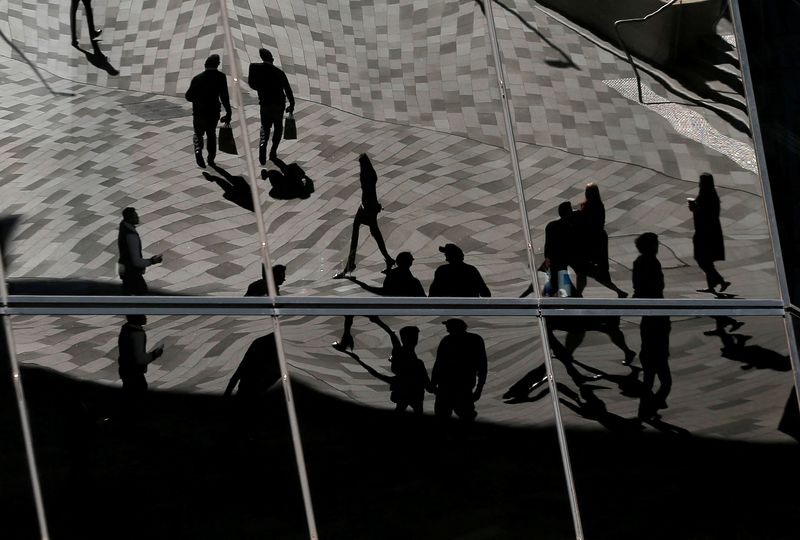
(225, 141)
(289, 128)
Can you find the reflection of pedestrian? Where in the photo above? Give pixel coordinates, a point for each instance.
(709, 245)
(559, 242)
(206, 92)
(258, 371)
(459, 372)
(457, 278)
(94, 33)
(131, 263)
(410, 379)
(593, 239)
(273, 90)
(648, 282)
(259, 287)
(399, 281)
(367, 214)
(133, 361)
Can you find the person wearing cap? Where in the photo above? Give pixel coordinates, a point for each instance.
(132, 264)
(457, 278)
(399, 281)
(459, 372)
(206, 92)
(273, 90)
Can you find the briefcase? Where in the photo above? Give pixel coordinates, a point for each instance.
(225, 141)
(289, 128)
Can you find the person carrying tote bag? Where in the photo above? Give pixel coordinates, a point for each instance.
(290, 128)
(225, 140)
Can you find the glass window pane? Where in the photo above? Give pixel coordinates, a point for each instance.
(201, 439)
(375, 471)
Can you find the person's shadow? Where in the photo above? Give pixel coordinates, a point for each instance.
(98, 59)
(235, 188)
(289, 182)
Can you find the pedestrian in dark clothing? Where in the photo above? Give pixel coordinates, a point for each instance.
(459, 372)
(592, 241)
(133, 362)
(708, 243)
(457, 278)
(259, 288)
(273, 90)
(560, 243)
(206, 92)
(131, 263)
(398, 282)
(258, 371)
(94, 33)
(367, 214)
(410, 380)
(648, 282)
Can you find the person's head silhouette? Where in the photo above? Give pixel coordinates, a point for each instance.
(278, 274)
(130, 215)
(455, 326)
(592, 193)
(647, 243)
(452, 253)
(565, 209)
(404, 259)
(409, 335)
(212, 62)
(266, 56)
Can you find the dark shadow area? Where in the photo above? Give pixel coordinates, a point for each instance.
(71, 287)
(564, 62)
(235, 188)
(375, 474)
(289, 182)
(98, 59)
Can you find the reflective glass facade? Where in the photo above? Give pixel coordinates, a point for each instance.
(515, 274)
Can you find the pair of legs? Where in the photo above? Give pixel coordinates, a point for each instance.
(600, 275)
(459, 402)
(73, 9)
(370, 219)
(611, 329)
(654, 358)
(713, 277)
(133, 284)
(205, 125)
(134, 388)
(415, 405)
(271, 119)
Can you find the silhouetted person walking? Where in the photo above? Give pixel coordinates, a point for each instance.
(560, 240)
(593, 242)
(457, 278)
(410, 379)
(648, 282)
(708, 243)
(206, 92)
(258, 371)
(259, 287)
(94, 33)
(133, 362)
(273, 90)
(367, 214)
(131, 263)
(399, 281)
(459, 372)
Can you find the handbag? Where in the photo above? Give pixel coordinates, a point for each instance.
(225, 141)
(289, 128)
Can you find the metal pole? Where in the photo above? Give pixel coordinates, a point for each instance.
(251, 171)
(526, 230)
(23, 411)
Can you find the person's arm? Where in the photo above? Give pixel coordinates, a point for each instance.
(374, 372)
(436, 371)
(224, 97)
(287, 89)
(436, 286)
(233, 382)
(483, 289)
(368, 288)
(252, 80)
(483, 367)
(133, 246)
(395, 341)
(190, 93)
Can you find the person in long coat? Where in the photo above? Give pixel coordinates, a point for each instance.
(709, 246)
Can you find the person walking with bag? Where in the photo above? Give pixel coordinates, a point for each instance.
(708, 244)
(273, 90)
(206, 92)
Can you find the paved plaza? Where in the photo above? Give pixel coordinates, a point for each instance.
(413, 85)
